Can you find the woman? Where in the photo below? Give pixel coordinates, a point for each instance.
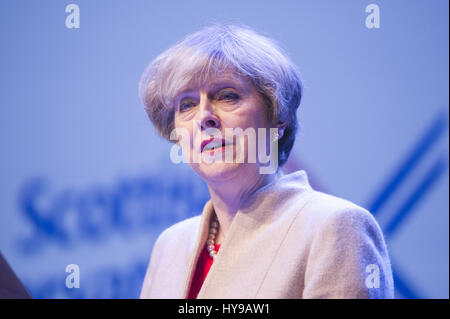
(262, 234)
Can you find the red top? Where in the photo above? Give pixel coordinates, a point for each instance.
(203, 265)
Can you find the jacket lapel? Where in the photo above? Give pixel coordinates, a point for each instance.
(197, 248)
(253, 239)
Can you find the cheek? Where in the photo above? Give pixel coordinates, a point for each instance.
(262, 117)
(255, 113)
(183, 135)
(251, 119)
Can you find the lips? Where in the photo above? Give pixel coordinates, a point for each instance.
(213, 142)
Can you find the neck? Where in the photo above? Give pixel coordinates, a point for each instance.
(227, 197)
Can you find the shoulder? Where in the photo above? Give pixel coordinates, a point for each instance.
(168, 259)
(344, 240)
(331, 216)
(181, 230)
(180, 233)
(326, 208)
(178, 238)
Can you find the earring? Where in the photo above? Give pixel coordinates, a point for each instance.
(275, 137)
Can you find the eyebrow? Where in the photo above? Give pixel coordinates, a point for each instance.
(215, 86)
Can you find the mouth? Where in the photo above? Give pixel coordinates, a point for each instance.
(214, 145)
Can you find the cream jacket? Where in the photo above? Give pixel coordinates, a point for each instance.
(287, 241)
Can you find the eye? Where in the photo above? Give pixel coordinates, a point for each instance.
(186, 104)
(228, 96)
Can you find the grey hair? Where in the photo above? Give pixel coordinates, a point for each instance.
(204, 55)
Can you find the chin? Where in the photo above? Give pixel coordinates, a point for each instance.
(216, 171)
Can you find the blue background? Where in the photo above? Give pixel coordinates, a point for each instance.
(86, 180)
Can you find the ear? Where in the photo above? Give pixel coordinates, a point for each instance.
(281, 127)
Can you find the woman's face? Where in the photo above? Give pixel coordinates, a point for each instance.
(204, 113)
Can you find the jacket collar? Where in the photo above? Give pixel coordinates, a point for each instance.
(260, 208)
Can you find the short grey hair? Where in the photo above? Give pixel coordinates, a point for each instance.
(203, 55)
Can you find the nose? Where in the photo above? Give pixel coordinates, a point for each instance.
(207, 116)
